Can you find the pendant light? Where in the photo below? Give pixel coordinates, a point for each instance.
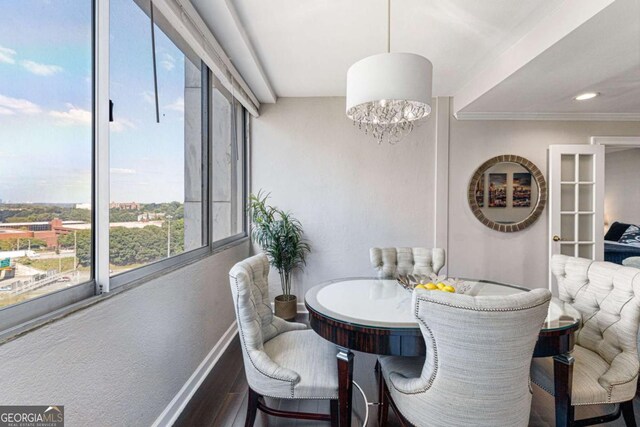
(387, 93)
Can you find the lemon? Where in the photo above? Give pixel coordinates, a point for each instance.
(440, 286)
(420, 286)
(449, 288)
(431, 286)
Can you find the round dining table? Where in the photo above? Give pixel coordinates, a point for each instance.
(375, 316)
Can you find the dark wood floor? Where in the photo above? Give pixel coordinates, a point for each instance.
(222, 399)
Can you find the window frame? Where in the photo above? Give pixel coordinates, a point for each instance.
(18, 318)
(174, 261)
(241, 138)
(15, 317)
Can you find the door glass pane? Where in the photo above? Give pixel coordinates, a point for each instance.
(568, 249)
(585, 251)
(46, 78)
(585, 196)
(585, 168)
(567, 197)
(568, 225)
(568, 168)
(585, 227)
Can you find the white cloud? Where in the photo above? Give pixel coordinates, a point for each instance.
(40, 69)
(6, 112)
(123, 171)
(168, 62)
(73, 116)
(177, 105)
(16, 105)
(120, 125)
(7, 55)
(148, 97)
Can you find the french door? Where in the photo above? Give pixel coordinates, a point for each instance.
(576, 201)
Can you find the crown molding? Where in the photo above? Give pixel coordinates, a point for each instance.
(590, 117)
(622, 141)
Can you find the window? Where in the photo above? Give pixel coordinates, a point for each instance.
(176, 185)
(228, 171)
(156, 209)
(46, 143)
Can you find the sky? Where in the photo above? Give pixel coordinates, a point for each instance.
(45, 105)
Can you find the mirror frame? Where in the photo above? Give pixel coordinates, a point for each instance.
(535, 213)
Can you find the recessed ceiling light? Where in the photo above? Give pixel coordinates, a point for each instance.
(586, 95)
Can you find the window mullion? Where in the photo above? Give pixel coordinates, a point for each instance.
(101, 196)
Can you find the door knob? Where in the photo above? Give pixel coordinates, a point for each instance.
(556, 238)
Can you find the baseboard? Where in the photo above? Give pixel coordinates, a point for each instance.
(178, 403)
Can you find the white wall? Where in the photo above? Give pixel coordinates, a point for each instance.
(121, 361)
(622, 192)
(522, 257)
(349, 192)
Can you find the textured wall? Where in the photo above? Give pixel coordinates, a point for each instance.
(622, 192)
(349, 192)
(120, 362)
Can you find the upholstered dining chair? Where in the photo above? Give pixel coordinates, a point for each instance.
(476, 372)
(281, 360)
(391, 262)
(605, 368)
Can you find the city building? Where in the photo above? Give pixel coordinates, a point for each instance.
(47, 231)
(132, 206)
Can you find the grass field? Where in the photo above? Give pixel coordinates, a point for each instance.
(48, 264)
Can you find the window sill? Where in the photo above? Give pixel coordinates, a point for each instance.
(37, 323)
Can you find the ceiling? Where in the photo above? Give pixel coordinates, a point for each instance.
(497, 58)
(602, 55)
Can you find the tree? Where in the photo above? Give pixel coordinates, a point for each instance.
(12, 244)
(83, 240)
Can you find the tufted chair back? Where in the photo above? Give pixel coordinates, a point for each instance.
(257, 325)
(608, 297)
(391, 262)
(478, 352)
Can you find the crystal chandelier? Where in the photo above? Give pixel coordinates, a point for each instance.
(387, 93)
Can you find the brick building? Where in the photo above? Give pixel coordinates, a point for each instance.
(47, 231)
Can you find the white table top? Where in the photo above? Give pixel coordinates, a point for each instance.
(384, 303)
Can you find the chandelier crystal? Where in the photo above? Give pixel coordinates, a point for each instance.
(388, 120)
(387, 93)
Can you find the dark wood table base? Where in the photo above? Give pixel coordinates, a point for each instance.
(410, 342)
(345, 386)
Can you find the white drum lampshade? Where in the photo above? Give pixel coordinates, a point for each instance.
(386, 93)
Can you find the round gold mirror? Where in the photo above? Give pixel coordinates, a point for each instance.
(507, 193)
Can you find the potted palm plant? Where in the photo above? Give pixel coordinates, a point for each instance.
(279, 235)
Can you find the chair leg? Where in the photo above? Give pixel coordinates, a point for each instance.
(383, 405)
(628, 414)
(335, 413)
(252, 408)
